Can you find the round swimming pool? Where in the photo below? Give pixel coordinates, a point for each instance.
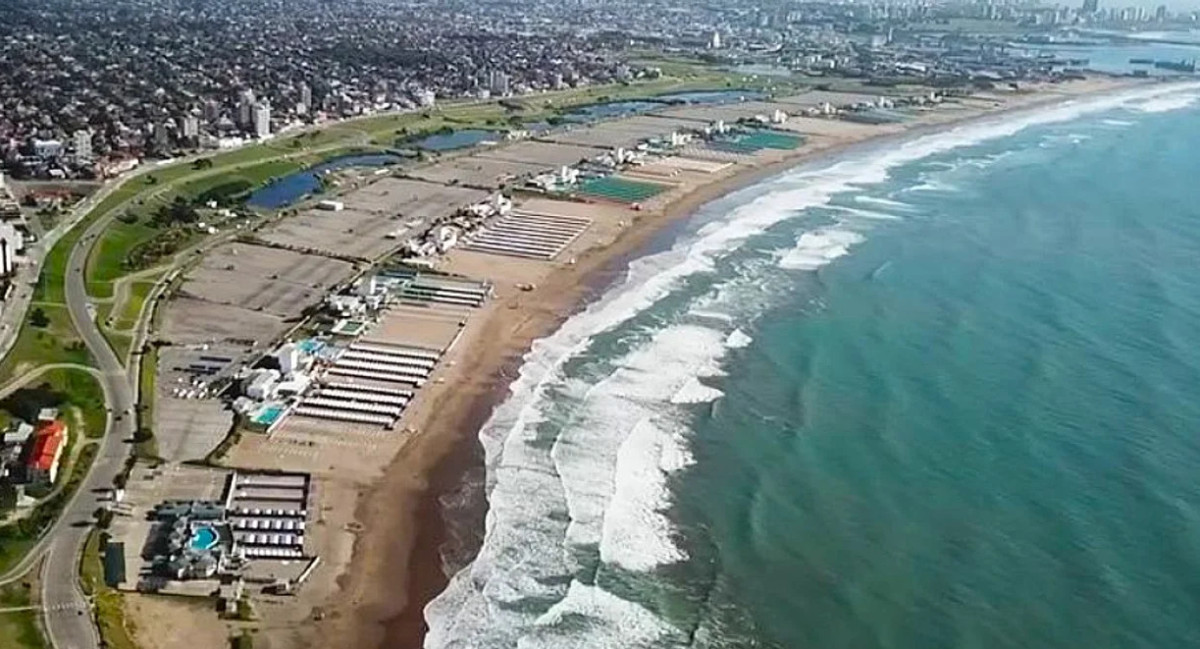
(204, 538)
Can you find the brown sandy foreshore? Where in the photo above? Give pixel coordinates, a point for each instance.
(396, 565)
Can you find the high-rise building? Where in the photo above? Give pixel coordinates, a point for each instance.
(715, 41)
(211, 111)
(305, 98)
(1160, 14)
(262, 119)
(246, 105)
(1091, 6)
(498, 83)
(190, 126)
(162, 136)
(83, 144)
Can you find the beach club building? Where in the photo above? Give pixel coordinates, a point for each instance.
(45, 453)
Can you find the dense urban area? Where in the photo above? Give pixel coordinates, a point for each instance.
(248, 246)
(87, 86)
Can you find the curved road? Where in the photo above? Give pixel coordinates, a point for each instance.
(68, 623)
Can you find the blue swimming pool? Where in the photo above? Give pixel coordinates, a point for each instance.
(204, 538)
(268, 415)
(310, 345)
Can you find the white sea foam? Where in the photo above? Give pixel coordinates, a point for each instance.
(738, 339)
(607, 468)
(865, 214)
(611, 622)
(695, 392)
(636, 534)
(816, 249)
(886, 203)
(932, 185)
(1116, 122)
(1165, 104)
(627, 408)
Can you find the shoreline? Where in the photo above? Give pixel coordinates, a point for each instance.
(395, 570)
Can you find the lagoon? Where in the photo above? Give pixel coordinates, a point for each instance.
(287, 190)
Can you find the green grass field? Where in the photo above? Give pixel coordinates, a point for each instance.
(55, 343)
(131, 308)
(107, 261)
(61, 388)
(620, 189)
(19, 629)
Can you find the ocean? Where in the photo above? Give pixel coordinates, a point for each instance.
(934, 392)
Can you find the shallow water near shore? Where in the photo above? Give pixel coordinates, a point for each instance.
(937, 393)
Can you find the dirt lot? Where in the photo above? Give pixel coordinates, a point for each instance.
(259, 278)
(730, 112)
(543, 154)
(624, 133)
(162, 622)
(371, 213)
(476, 171)
(190, 320)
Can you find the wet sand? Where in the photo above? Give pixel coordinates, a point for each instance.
(397, 566)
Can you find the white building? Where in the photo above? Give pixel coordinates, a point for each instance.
(260, 384)
(305, 99)
(288, 357)
(11, 243)
(262, 119)
(191, 126)
(47, 149)
(246, 108)
(425, 97)
(83, 144)
(715, 41)
(498, 83)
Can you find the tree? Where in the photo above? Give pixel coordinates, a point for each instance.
(8, 497)
(39, 319)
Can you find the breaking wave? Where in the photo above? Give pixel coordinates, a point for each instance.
(580, 456)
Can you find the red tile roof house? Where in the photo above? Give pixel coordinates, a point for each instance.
(49, 441)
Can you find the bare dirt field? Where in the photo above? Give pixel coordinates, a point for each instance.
(191, 320)
(371, 213)
(542, 154)
(815, 98)
(625, 133)
(729, 112)
(259, 278)
(475, 171)
(162, 622)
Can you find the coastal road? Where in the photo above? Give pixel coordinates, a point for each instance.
(67, 623)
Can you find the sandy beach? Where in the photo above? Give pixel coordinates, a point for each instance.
(373, 590)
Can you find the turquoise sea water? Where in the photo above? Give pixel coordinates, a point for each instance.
(939, 392)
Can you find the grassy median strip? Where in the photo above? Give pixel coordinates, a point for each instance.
(145, 444)
(109, 605)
